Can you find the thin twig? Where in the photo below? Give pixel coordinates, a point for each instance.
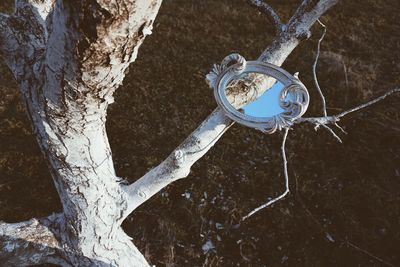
(324, 121)
(340, 128)
(335, 118)
(318, 121)
(344, 113)
(285, 170)
(332, 132)
(314, 69)
(265, 8)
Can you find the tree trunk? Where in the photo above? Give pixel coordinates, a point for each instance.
(71, 57)
(68, 57)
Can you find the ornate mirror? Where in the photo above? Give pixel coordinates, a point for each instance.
(258, 94)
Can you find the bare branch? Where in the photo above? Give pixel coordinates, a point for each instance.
(29, 243)
(332, 132)
(335, 118)
(369, 103)
(265, 8)
(315, 69)
(285, 171)
(297, 29)
(178, 164)
(318, 121)
(306, 15)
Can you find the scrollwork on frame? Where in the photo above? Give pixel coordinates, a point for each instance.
(293, 98)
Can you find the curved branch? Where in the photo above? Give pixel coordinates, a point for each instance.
(178, 164)
(314, 69)
(29, 243)
(286, 175)
(265, 8)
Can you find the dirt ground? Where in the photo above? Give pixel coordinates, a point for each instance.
(344, 206)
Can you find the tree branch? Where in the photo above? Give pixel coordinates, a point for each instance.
(296, 30)
(285, 172)
(29, 243)
(315, 69)
(273, 17)
(322, 121)
(333, 119)
(178, 164)
(318, 121)
(306, 15)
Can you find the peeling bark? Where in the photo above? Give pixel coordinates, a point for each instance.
(69, 57)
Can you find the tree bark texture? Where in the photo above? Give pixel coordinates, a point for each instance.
(68, 57)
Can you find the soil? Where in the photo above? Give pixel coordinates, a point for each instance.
(344, 205)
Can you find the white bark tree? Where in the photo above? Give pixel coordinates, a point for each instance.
(68, 58)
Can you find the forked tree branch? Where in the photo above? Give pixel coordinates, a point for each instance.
(273, 17)
(29, 243)
(178, 164)
(296, 30)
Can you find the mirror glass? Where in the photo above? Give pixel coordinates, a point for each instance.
(263, 105)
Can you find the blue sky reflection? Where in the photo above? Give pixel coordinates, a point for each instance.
(266, 105)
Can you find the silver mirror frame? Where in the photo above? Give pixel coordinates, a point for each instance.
(294, 107)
